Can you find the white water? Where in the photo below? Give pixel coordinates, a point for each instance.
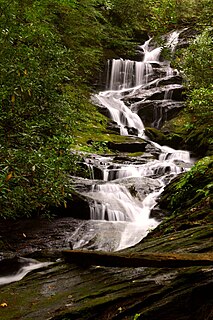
(119, 112)
(119, 219)
(28, 266)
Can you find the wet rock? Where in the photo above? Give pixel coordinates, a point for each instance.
(156, 135)
(156, 93)
(165, 138)
(186, 37)
(155, 113)
(93, 292)
(127, 146)
(198, 141)
(168, 260)
(91, 172)
(139, 186)
(113, 126)
(157, 214)
(11, 266)
(132, 131)
(77, 207)
(164, 81)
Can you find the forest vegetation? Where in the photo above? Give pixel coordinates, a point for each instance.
(52, 52)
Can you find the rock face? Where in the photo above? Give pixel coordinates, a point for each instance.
(155, 113)
(91, 292)
(122, 260)
(157, 102)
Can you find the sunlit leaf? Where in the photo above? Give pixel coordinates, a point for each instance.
(9, 176)
(3, 305)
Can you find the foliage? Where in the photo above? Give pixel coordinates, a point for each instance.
(51, 52)
(195, 184)
(196, 62)
(203, 13)
(163, 15)
(166, 15)
(35, 180)
(38, 112)
(158, 17)
(198, 59)
(200, 105)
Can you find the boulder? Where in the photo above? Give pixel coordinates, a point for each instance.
(154, 113)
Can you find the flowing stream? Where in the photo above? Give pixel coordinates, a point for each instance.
(124, 193)
(122, 190)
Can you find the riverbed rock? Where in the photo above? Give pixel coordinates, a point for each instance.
(165, 138)
(77, 207)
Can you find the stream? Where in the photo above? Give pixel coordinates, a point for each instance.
(123, 193)
(123, 189)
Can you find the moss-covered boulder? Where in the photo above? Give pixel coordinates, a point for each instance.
(191, 135)
(199, 140)
(188, 200)
(173, 140)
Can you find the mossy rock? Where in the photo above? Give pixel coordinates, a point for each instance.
(198, 141)
(192, 135)
(189, 187)
(188, 200)
(156, 135)
(175, 140)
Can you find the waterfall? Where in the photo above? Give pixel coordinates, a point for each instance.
(128, 80)
(127, 74)
(121, 203)
(122, 74)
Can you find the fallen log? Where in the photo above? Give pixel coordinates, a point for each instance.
(156, 260)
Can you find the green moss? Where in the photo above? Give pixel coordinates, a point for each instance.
(156, 135)
(188, 200)
(135, 154)
(180, 124)
(184, 132)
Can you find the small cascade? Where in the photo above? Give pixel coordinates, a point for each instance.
(115, 203)
(24, 266)
(128, 74)
(122, 74)
(151, 54)
(122, 193)
(119, 112)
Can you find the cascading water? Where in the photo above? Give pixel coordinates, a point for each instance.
(121, 202)
(120, 205)
(24, 266)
